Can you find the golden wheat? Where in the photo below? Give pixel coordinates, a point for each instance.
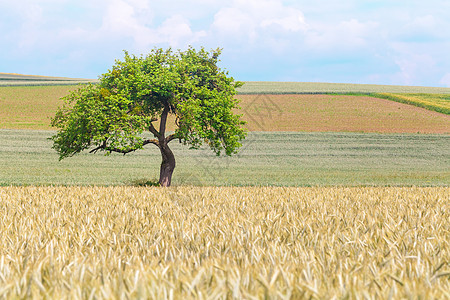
(436, 102)
(224, 242)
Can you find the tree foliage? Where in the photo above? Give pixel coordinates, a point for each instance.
(138, 91)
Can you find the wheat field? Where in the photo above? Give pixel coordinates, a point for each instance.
(224, 243)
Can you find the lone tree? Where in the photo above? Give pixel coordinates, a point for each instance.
(139, 93)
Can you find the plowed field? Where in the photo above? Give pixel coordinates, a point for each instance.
(338, 113)
(32, 108)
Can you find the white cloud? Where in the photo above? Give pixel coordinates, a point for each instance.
(235, 23)
(133, 19)
(177, 32)
(140, 5)
(28, 33)
(427, 21)
(396, 42)
(294, 21)
(445, 80)
(414, 68)
(120, 19)
(426, 28)
(251, 18)
(344, 35)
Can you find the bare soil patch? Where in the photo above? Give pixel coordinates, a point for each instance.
(338, 113)
(30, 107)
(33, 107)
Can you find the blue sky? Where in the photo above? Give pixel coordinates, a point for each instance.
(369, 41)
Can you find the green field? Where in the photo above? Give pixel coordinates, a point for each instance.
(7, 79)
(250, 87)
(279, 159)
(436, 102)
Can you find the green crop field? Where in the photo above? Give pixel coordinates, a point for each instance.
(283, 159)
(436, 102)
(250, 87)
(7, 79)
(277, 158)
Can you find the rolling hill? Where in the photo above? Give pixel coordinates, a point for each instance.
(12, 79)
(28, 102)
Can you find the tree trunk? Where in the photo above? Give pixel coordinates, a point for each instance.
(168, 159)
(167, 165)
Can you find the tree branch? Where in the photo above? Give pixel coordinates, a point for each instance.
(162, 125)
(153, 141)
(171, 137)
(153, 130)
(104, 147)
(96, 149)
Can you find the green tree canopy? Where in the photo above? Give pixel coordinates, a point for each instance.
(141, 91)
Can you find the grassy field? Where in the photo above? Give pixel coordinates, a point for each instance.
(250, 87)
(224, 243)
(32, 108)
(287, 159)
(8, 79)
(304, 159)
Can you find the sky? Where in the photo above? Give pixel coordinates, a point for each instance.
(399, 42)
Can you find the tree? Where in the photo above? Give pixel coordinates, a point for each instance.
(140, 91)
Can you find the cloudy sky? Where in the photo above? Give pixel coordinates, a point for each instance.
(404, 42)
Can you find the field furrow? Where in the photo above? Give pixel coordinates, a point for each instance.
(266, 158)
(33, 108)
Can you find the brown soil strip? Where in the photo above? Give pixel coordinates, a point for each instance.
(33, 107)
(338, 113)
